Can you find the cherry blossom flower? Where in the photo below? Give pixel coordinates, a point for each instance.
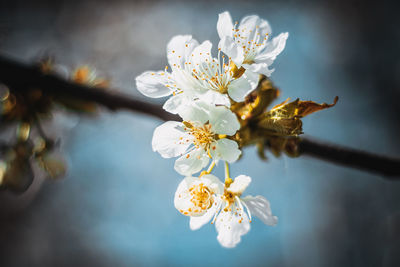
(195, 75)
(248, 44)
(201, 136)
(227, 210)
(195, 196)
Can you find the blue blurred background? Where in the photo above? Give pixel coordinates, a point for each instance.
(115, 207)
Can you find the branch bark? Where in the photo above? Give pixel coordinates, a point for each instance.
(353, 158)
(21, 77)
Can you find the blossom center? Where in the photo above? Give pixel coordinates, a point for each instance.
(203, 136)
(201, 196)
(229, 197)
(213, 73)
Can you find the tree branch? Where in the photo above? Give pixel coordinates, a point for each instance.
(22, 77)
(389, 167)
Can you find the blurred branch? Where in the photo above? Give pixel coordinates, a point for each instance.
(22, 77)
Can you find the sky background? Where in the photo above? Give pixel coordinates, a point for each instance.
(115, 206)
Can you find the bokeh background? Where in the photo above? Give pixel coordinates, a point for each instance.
(115, 206)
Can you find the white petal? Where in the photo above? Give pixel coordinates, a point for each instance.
(249, 22)
(225, 149)
(179, 49)
(195, 111)
(213, 183)
(253, 28)
(215, 98)
(260, 68)
(182, 196)
(223, 121)
(192, 162)
(247, 26)
(238, 89)
(201, 53)
(232, 49)
(264, 28)
(176, 103)
(170, 139)
(182, 199)
(198, 221)
(273, 48)
(239, 184)
(153, 84)
(260, 207)
(231, 225)
(224, 25)
(253, 23)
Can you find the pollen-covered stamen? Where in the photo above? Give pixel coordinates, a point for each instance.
(213, 73)
(251, 41)
(234, 206)
(201, 197)
(233, 203)
(229, 197)
(203, 136)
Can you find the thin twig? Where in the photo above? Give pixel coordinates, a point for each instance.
(19, 76)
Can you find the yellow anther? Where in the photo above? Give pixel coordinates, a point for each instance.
(221, 136)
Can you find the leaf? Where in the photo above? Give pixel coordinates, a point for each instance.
(307, 107)
(282, 126)
(285, 119)
(300, 108)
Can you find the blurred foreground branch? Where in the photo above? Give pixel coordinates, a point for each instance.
(18, 76)
(21, 77)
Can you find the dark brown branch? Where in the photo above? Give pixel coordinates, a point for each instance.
(19, 76)
(389, 167)
(22, 77)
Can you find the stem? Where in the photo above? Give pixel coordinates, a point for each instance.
(212, 165)
(228, 179)
(227, 175)
(209, 170)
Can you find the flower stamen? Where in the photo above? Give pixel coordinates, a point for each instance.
(201, 197)
(203, 136)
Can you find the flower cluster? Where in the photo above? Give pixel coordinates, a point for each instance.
(208, 93)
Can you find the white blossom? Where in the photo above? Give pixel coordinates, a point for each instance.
(195, 196)
(195, 75)
(248, 44)
(231, 213)
(201, 136)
